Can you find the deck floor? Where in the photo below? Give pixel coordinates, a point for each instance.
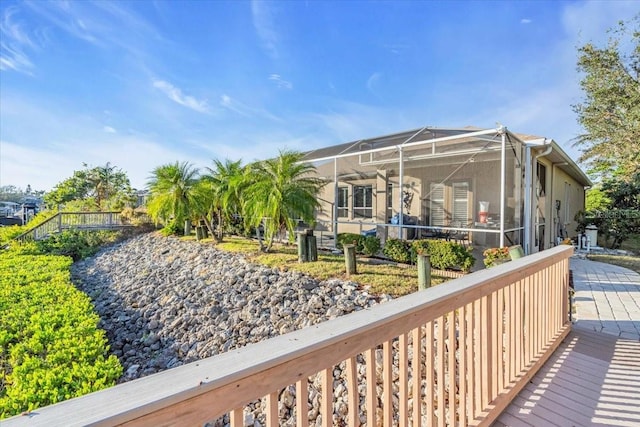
(592, 379)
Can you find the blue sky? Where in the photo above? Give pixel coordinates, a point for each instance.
(144, 83)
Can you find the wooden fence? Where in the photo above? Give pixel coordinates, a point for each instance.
(76, 220)
(454, 354)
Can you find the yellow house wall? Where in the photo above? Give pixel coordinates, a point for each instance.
(556, 179)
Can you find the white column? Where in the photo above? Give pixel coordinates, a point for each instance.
(503, 173)
(528, 178)
(335, 202)
(401, 193)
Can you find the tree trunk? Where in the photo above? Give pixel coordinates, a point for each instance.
(270, 245)
(220, 226)
(262, 248)
(203, 218)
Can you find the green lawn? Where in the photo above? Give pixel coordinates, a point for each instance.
(632, 244)
(630, 262)
(389, 278)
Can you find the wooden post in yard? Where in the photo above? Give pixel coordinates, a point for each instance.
(303, 254)
(350, 259)
(424, 272)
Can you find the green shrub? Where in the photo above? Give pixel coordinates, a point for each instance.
(76, 244)
(398, 250)
(136, 217)
(50, 346)
(350, 239)
(366, 245)
(370, 245)
(172, 229)
(445, 255)
(9, 233)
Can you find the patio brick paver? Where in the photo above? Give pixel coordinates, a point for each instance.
(607, 298)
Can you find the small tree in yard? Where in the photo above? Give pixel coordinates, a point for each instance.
(174, 192)
(226, 181)
(280, 191)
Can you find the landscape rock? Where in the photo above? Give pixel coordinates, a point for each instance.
(164, 302)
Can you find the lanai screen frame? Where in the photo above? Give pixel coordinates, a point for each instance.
(500, 134)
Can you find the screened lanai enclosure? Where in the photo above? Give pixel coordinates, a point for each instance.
(466, 185)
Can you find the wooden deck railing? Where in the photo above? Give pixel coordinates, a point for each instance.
(455, 354)
(78, 220)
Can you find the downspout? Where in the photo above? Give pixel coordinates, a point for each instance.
(528, 205)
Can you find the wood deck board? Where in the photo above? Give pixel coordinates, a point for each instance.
(592, 379)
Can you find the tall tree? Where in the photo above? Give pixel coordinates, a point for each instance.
(281, 191)
(108, 186)
(610, 112)
(174, 192)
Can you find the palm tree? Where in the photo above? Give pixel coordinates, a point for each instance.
(281, 191)
(226, 180)
(108, 184)
(174, 192)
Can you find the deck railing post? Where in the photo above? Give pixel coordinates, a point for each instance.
(424, 272)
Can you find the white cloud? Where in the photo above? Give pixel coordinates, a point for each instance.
(525, 21)
(244, 110)
(373, 81)
(108, 129)
(264, 23)
(283, 84)
(176, 95)
(13, 41)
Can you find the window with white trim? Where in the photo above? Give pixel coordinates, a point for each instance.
(460, 206)
(437, 213)
(343, 202)
(362, 201)
(449, 203)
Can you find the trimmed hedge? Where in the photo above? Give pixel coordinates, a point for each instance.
(366, 245)
(51, 348)
(444, 255)
(398, 250)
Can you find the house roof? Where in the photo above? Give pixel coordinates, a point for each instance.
(429, 133)
(561, 159)
(361, 145)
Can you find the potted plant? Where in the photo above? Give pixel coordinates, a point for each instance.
(496, 256)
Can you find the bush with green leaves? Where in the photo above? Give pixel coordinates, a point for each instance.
(51, 348)
(445, 255)
(76, 244)
(9, 233)
(172, 229)
(366, 245)
(349, 239)
(398, 250)
(370, 245)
